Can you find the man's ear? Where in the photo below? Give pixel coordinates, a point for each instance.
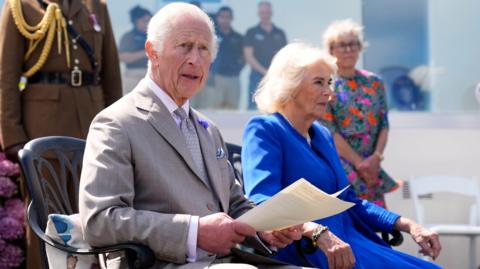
(150, 51)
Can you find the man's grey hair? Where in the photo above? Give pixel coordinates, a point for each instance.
(161, 24)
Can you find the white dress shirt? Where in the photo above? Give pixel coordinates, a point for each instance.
(172, 106)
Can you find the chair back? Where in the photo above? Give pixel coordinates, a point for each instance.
(51, 167)
(235, 158)
(467, 186)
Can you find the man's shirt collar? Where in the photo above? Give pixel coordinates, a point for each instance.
(164, 97)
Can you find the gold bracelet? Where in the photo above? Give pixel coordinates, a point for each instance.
(316, 234)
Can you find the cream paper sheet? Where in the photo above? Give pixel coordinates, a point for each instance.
(298, 203)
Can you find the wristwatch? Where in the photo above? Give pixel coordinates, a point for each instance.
(316, 234)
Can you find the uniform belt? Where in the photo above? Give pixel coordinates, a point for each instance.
(75, 78)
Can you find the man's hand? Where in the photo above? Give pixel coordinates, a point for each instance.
(282, 238)
(219, 233)
(12, 152)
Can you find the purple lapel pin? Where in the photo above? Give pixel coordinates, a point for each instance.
(204, 123)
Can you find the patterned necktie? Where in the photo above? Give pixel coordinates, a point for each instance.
(191, 137)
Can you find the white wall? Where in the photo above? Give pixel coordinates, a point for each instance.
(454, 52)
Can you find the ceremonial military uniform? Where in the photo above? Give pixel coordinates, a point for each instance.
(50, 104)
(58, 99)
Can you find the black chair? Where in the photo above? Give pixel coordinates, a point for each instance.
(407, 95)
(235, 158)
(51, 167)
(304, 246)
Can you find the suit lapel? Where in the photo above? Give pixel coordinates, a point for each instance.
(162, 121)
(209, 157)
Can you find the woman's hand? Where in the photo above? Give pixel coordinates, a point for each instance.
(368, 170)
(339, 253)
(282, 238)
(425, 238)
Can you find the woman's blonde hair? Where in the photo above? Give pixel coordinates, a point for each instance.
(339, 28)
(286, 73)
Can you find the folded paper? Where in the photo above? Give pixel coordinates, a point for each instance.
(298, 203)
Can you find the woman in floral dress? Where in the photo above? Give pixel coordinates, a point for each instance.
(357, 114)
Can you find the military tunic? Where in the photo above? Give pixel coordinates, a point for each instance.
(48, 107)
(44, 109)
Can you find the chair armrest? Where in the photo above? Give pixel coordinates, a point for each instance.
(305, 246)
(255, 243)
(395, 241)
(138, 256)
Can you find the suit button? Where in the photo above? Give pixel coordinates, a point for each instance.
(210, 207)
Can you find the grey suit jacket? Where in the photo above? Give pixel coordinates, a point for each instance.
(139, 182)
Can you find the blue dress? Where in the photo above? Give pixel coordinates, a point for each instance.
(274, 155)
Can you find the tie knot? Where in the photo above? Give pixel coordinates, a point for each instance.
(181, 113)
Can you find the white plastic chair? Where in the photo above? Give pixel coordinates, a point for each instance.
(450, 184)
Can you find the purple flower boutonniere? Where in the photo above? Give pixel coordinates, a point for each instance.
(204, 123)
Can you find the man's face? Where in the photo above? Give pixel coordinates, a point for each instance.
(181, 68)
(224, 19)
(142, 23)
(265, 12)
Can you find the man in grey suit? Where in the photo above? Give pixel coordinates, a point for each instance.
(155, 170)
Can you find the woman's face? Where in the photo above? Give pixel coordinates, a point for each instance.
(346, 49)
(314, 91)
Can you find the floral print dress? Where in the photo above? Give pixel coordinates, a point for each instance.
(358, 112)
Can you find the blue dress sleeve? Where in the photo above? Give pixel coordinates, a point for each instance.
(376, 217)
(261, 160)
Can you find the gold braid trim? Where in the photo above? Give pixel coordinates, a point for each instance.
(51, 23)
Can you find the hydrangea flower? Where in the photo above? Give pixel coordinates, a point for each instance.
(12, 216)
(7, 168)
(11, 256)
(11, 228)
(15, 208)
(7, 187)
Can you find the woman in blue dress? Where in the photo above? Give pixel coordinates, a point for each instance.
(288, 143)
